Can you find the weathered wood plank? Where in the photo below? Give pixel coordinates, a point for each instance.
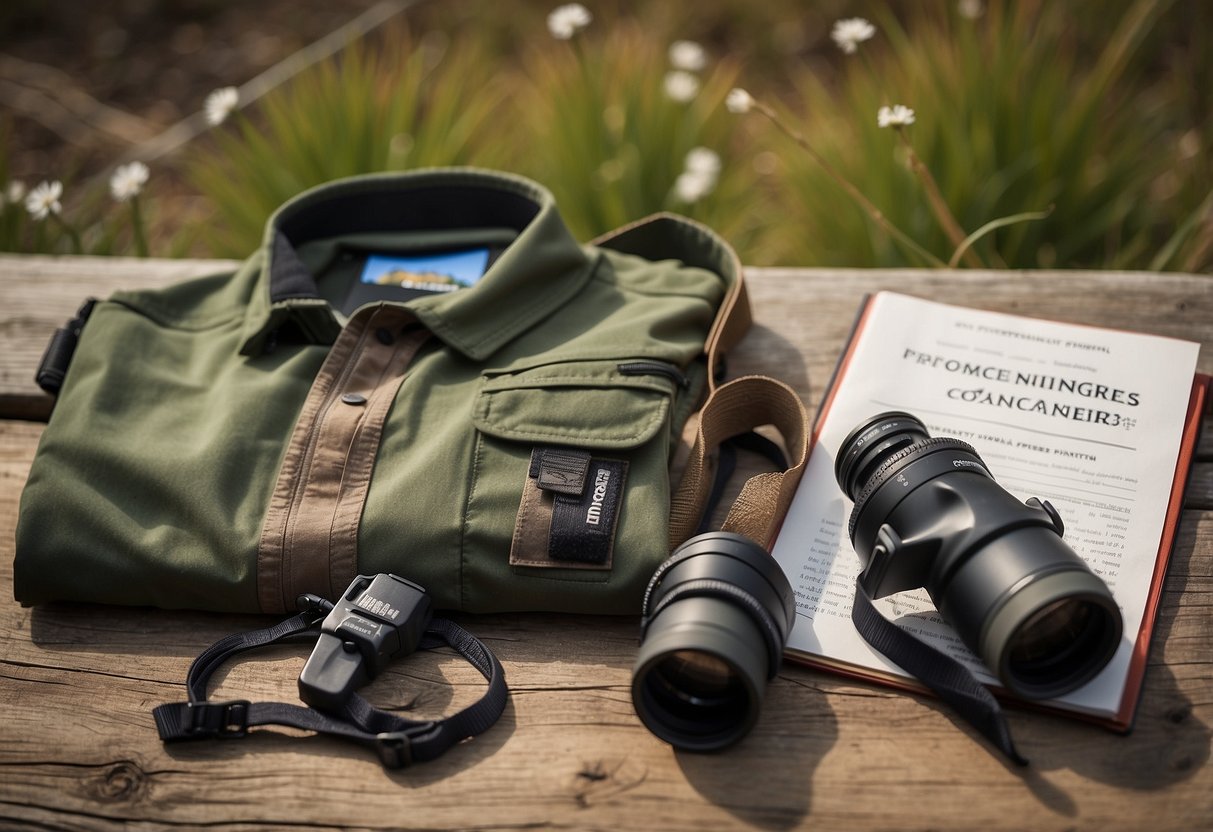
(40, 294)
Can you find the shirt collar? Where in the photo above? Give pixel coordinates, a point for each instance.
(536, 274)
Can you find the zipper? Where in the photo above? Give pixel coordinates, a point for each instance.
(649, 367)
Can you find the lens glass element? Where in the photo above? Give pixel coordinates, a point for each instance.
(699, 679)
(717, 615)
(1058, 641)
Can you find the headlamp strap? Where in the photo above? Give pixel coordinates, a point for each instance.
(398, 741)
(949, 679)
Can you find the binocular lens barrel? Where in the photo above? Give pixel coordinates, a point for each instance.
(701, 677)
(717, 616)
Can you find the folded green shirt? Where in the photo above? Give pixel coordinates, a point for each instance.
(418, 373)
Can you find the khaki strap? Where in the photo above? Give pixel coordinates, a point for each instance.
(309, 541)
(733, 409)
(732, 322)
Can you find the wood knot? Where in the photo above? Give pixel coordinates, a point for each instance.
(1179, 713)
(602, 780)
(122, 782)
(1182, 763)
(593, 773)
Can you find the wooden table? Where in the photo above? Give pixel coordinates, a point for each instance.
(77, 683)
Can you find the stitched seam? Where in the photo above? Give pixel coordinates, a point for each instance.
(473, 482)
(533, 363)
(151, 311)
(617, 381)
(646, 429)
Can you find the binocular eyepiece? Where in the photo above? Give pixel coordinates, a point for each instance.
(716, 618)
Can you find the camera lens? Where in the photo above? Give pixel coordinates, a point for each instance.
(699, 695)
(717, 616)
(1049, 632)
(701, 680)
(997, 569)
(1060, 642)
(1055, 631)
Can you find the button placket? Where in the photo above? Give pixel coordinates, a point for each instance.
(309, 541)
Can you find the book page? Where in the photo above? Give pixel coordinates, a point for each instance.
(1088, 419)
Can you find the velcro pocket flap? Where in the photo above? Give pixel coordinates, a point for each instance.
(588, 404)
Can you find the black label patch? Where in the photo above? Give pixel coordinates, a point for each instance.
(561, 471)
(583, 527)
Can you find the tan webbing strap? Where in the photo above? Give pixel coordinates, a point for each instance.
(733, 409)
(732, 322)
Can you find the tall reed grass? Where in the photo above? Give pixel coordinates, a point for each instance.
(1104, 122)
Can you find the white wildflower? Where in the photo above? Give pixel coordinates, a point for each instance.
(688, 55)
(849, 33)
(128, 181)
(691, 187)
(899, 115)
(567, 20)
(219, 105)
(701, 169)
(702, 160)
(971, 9)
(738, 101)
(44, 199)
(15, 192)
(681, 86)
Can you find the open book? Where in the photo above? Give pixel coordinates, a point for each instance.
(1101, 423)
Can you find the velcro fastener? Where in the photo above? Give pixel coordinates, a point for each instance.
(583, 527)
(560, 470)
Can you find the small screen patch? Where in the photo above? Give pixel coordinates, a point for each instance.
(429, 272)
(400, 278)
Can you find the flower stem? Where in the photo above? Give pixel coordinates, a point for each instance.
(872, 211)
(73, 235)
(939, 206)
(993, 225)
(137, 232)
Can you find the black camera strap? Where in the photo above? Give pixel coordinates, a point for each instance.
(398, 741)
(949, 679)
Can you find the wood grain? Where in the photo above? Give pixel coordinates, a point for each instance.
(40, 294)
(78, 749)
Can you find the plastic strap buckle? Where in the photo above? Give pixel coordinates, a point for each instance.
(395, 748)
(227, 720)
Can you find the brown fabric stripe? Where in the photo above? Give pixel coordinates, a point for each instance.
(532, 526)
(309, 542)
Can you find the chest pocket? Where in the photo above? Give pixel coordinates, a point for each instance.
(571, 482)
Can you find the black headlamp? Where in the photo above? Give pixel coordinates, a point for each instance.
(377, 619)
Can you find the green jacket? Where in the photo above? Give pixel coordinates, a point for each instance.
(233, 441)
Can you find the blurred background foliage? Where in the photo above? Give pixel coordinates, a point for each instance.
(1100, 111)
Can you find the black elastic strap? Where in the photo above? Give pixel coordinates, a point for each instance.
(398, 741)
(948, 678)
